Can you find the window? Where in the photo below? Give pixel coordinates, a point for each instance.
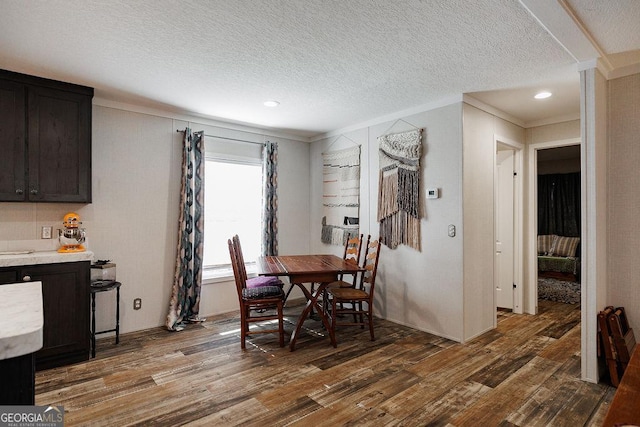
(232, 205)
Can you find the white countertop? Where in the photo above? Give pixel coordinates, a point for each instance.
(22, 319)
(44, 257)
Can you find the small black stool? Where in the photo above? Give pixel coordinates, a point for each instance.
(103, 286)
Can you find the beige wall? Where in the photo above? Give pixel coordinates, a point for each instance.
(133, 218)
(419, 289)
(623, 203)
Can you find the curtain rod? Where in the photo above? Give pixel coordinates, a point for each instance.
(228, 139)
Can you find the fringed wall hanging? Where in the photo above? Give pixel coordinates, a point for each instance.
(398, 201)
(341, 195)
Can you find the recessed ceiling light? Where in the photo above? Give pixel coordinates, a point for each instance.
(542, 95)
(271, 103)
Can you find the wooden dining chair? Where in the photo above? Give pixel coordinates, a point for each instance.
(352, 249)
(253, 282)
(358, 296)
(257, 303)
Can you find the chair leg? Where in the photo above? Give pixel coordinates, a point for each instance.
(281, 323)
(334, 316)
(244, 325)
(370, 316)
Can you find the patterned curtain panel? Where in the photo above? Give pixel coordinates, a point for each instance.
(398, 201)
(270, 199)
(185, 299)
(341, 195)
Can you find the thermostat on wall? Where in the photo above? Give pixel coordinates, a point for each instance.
(433, 193)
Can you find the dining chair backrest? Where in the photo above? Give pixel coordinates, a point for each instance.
(240, 257)
(370, 266)
(352, 249)
(241, 281)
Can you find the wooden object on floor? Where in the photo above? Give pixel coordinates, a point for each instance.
(356, 297)
(352, 249)
(625, 407)
(256, 304)
(623, 339)
(616, 341)
(606, 348)
(301, 269)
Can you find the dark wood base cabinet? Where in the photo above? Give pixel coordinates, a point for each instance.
(17, 380)
(65, 294)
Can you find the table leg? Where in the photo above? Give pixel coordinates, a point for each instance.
(93, 325)
(312, 300)
(117, 314)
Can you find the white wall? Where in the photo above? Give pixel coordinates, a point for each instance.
(479, 132)
(594, 117)
(419, 289)
(133, 219)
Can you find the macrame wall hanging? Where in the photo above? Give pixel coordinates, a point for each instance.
(341, 195)
(398, 201)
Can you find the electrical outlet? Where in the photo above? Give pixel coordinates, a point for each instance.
(137, 303)
(46, 232)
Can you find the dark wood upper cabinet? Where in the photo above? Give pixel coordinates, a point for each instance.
(12, 141)
(45, 138)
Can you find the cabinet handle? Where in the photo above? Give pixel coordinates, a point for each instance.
(34, 191)
(26, 279)
(19, 191)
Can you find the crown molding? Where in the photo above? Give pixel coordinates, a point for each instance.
(390, 117)
(196, 118)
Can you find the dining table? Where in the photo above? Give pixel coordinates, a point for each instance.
(306, 269)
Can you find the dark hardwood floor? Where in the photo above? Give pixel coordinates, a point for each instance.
(524, 373)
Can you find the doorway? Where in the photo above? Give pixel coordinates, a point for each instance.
(561, 158)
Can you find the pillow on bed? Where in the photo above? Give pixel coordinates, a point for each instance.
(565, 246)
(545, 242)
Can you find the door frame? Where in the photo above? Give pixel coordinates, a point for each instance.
(532, 229)
(518, 222)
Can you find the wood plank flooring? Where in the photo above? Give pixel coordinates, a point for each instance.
(524, 373)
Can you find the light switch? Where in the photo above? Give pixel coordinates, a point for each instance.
(452, 230)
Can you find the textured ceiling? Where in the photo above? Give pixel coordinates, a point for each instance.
(330, 63)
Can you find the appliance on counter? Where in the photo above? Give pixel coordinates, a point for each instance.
(103, 271)
(72, 237)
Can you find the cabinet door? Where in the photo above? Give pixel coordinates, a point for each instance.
(65, 301)
(13, 178)
(59, 146)
(9, 275)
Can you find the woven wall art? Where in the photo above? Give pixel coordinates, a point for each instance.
(341, 195)
(399, 185)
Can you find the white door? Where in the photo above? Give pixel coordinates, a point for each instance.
(504, 261)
